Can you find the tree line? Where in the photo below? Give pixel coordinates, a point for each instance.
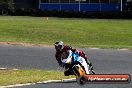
(5, 6)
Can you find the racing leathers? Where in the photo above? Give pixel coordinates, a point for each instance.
(58, 53)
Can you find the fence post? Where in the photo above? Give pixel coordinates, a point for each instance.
(60, 4)
(79, 5)
(100, 6)
(39, 3)
(121, 5)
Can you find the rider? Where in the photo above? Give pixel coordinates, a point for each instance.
(60, 48)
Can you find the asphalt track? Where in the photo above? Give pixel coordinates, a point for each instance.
(105, 61)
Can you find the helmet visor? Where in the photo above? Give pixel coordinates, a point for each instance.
(58, 48)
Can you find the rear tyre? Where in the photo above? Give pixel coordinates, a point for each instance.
(81, 80)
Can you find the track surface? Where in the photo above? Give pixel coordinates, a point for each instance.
(104, 61)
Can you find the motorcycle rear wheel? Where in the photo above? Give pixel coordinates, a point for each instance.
(81, 80)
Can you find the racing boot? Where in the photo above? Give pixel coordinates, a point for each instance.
(91, 68)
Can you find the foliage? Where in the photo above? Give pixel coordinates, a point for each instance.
(6, 4)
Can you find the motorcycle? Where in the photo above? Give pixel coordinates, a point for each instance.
(73, 66)
(74, 69)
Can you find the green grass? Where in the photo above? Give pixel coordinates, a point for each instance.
(10, 77)
(101, 33)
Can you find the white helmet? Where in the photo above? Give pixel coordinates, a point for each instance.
(59, 45)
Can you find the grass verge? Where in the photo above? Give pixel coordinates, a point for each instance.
(10, 77)
(102, 33)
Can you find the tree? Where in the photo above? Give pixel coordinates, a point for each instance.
(6, 4)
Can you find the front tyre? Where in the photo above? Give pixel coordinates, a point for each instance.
(66, 73)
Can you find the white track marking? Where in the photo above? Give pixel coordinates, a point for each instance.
(3, 68)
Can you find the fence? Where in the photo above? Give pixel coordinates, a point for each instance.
(81, 5)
